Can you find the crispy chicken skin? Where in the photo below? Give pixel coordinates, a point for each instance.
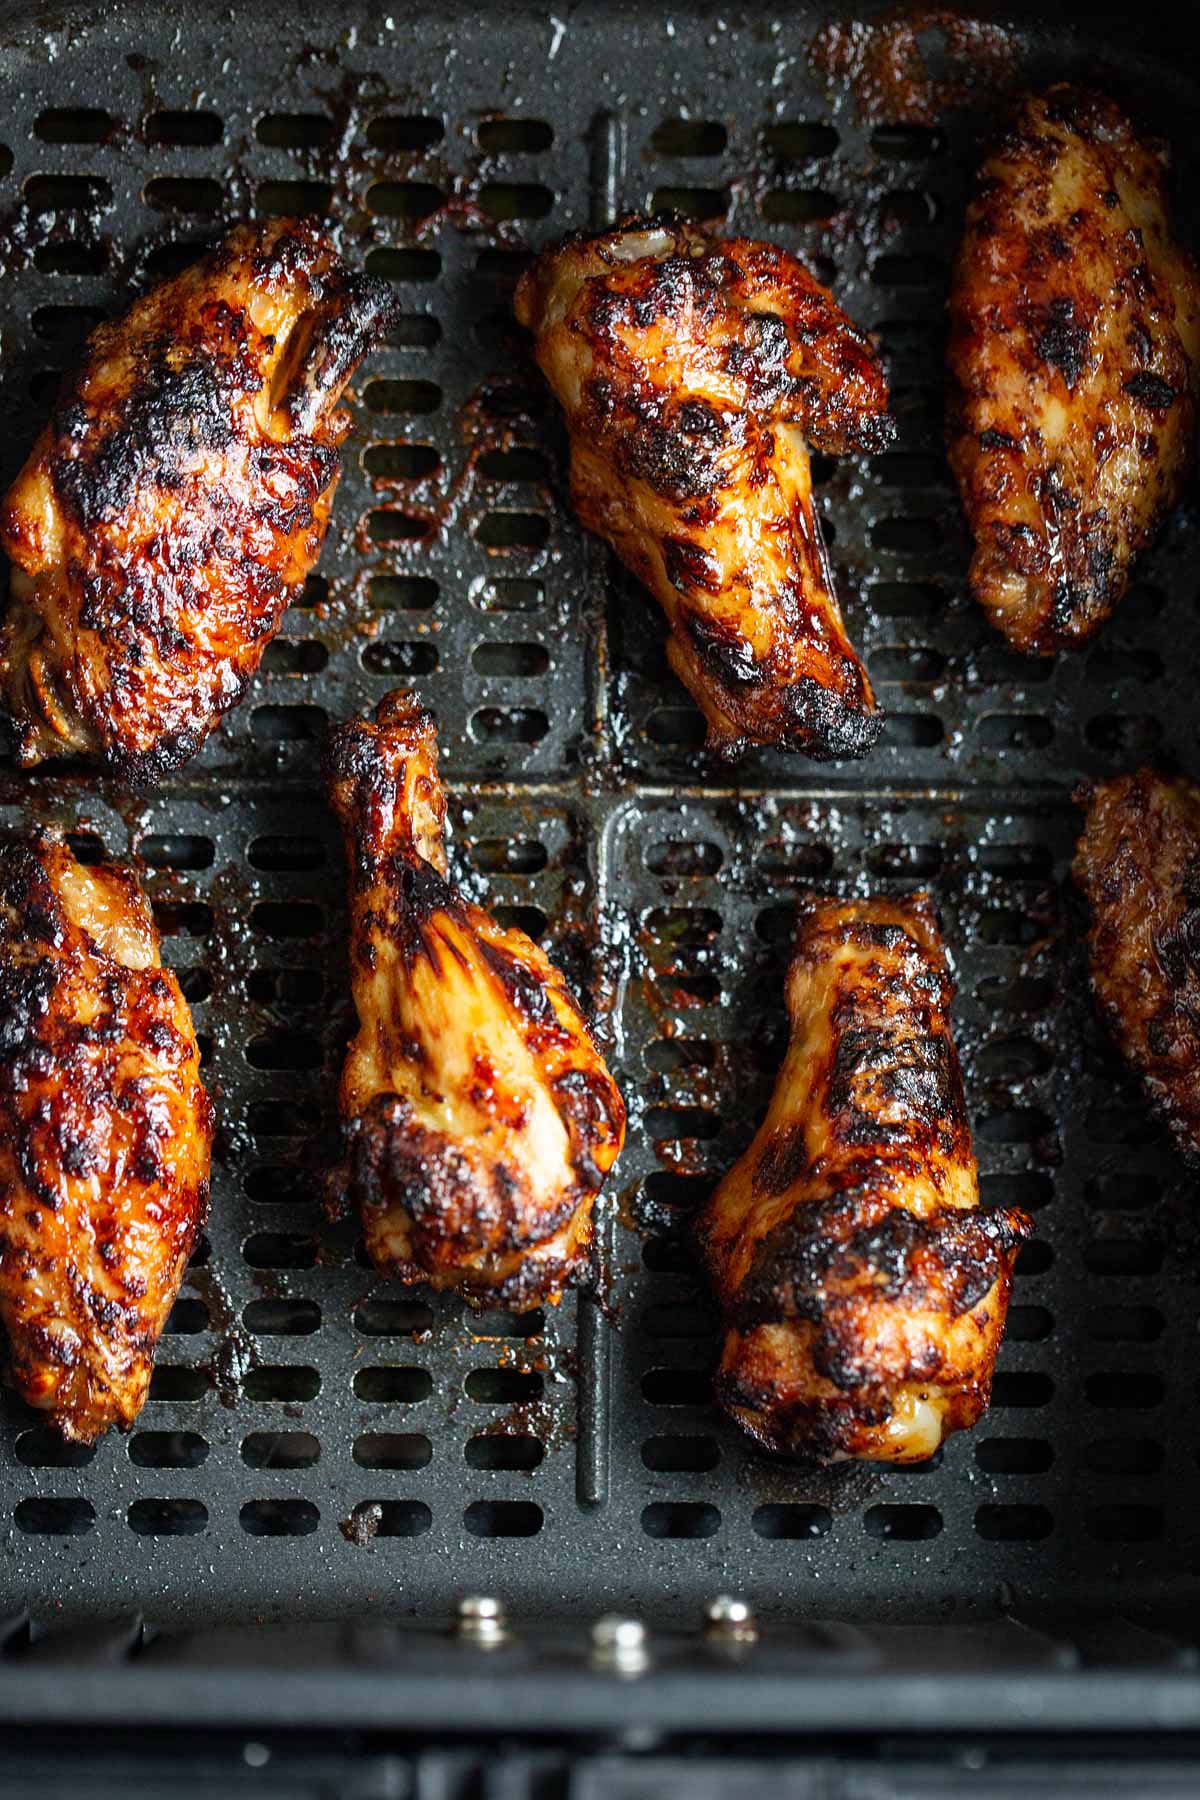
(1138, 868)
(178, 498)
(480, 1118)
(695, 372)
(105, 1136)
(864, 1292)
(1074, 338)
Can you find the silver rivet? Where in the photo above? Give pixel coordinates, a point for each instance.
(619, 1644)
(730, 1620)
(481, 1620)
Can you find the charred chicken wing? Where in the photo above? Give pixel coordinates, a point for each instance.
(1074, 339)
(863, 1290)
(695, 373)
(178, 498)
(480, 1118)
(105, 1136)
(1138, 867)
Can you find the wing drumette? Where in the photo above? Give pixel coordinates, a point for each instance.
(1073, 361)
(863, 1289)
(480, 1118)
(695, 372)
(1138, 867)
(178, 498)
(105, 1136)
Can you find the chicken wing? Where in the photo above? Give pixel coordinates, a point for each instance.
(1138, 867)
(480, 1118)
(178, 498)
(1074, 338)
(694, 373)
(105, 1136)
(863, 1290)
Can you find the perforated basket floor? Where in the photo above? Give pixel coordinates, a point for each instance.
(318, 1444)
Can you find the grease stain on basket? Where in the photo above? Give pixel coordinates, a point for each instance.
(911, 68)
(236, 1351)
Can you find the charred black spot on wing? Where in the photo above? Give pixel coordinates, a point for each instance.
(869, 433)
(422, 890)
(782, 1163)
(420, 898)
(834, 424)
(900, 1068)
(24, 885)
(1067, 601)
(1151, 390)
(827, 723)
(874, 934)
(459, 1207)
(588, 1099)
(143, 770)
(769, 336)
(303, 469)
(28, 984)
(399, 1165)
(665, 287)
(690, 566)
(396, 1162)
(827, 1257)
(26, 990)
(526, 991)
(721, 648)
(1057, 498)
(703, 422)
(279, 251)
(177, 413)
(351, 754)
(996, 440)
(675, 456)
(1100, 559)
(760, 358)
(327, 346)
(1178, 947)
(1061, 340)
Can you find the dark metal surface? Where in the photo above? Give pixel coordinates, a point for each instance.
(313, 1768)
(818, 1683)
(318, 1445)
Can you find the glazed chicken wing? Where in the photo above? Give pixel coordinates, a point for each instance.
(1138, 867)
(863, 1290)
(480, 1118)
(105, 1136)
(695, 372)
(1074, 339)
(178, 498)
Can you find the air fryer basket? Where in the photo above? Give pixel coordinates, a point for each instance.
(319, 1445)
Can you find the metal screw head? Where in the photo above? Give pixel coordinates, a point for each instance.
(730, 1620)
(481, 1620)
(619, 1643)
